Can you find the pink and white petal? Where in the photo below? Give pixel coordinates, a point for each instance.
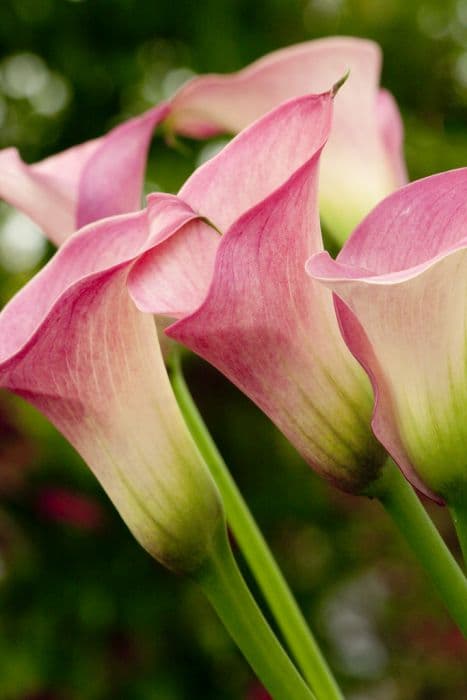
(363, 161)
(99, 178)
(37, 195)
(412, 226)
(392, 134)
(229, 103)
(408, 330)
(356, 163)
(97, 247)
(272, 331)
(90, 361)
(173, 276)
(259, 159)
(113, 177)
(402, 313)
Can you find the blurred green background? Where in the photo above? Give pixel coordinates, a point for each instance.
(84, 613)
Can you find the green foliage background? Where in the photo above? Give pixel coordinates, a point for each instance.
(84, 613)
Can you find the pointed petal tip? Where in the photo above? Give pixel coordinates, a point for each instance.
(337, 86)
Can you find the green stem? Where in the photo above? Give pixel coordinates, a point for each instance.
(401, 502)
(257, 554)
(225, 588)
(459, 516)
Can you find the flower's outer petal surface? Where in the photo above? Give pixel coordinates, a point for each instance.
(172, 278)
(112, 181)
(357, 171)
(75, 346)
(46, 199)
(392, 134)
(259, 159)
(228, 103)
(401, 293)
(99, 178)
(273, 331)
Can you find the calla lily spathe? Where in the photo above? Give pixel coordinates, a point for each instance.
(74, 345)
(247, 305)
(362, 163)
(99, 178)
(400, 285)
(363, 159)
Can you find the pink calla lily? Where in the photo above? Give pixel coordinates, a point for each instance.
(99, 178)
(400, 285)
(74, 345)
(254, 313)
(363, 160)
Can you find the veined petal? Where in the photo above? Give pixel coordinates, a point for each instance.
(112, 182)
(259, 159)
(361, 163)
(47, 201)
(99, 178)
(205, 105)
(173, 278)
(75, 346)
(273, 332)
(401, 287)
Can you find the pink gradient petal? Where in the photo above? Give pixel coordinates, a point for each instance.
(259, 159)
(362, 161)
(392, 134)
(400, 283)
(228, 103)
(75, 346)
(272, 331)
(99, 178)
(174, 277)
(112, 180)
(171, 279)
(411, 226)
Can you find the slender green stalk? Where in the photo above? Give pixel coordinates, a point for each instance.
(222, 583)
(290, 620)
(459, 516)
(404, 507)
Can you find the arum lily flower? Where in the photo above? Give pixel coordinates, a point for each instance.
(253, 312)
(99, 178)
(74, 345)
(363, 160)
(400, 297)
(362, 163)
(272, 330)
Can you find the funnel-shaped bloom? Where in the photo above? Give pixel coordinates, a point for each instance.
(99, 178)
(254, 313)
(401, 286)
(362, 163)
(363, 160)
(73, 344)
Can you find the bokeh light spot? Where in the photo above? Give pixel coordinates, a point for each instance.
(23, 75)
(22, 244)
